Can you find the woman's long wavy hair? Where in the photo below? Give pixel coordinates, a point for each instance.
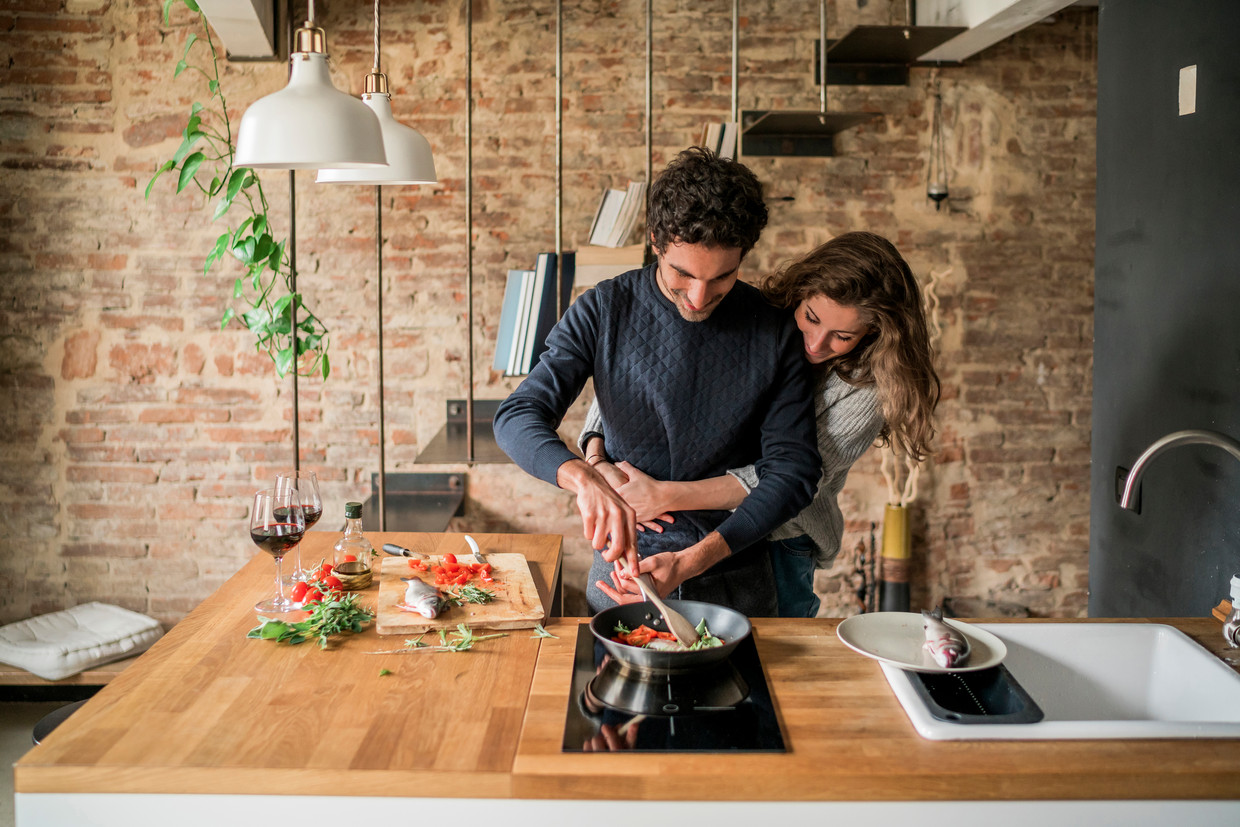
(865, 271)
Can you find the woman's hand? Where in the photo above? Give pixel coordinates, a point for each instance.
(663, 569)
(645, 495)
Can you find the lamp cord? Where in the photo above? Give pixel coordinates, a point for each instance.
(376, 37)
(310, 19)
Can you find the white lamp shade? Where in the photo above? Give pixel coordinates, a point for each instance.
(408, 153)
(310, 124)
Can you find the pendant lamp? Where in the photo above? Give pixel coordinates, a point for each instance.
(310, 124)
(408, 153)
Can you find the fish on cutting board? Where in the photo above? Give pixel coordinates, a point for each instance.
(947, 646)
(421, 598)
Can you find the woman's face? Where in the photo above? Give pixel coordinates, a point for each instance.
(830, 330)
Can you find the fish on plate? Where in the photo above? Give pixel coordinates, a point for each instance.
(421, 598)
(947, 646)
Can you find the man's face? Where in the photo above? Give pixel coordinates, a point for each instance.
(696, 278)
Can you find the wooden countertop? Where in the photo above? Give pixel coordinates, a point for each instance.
(849, 739)
(208, 711)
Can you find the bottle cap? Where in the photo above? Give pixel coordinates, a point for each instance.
(352, 511)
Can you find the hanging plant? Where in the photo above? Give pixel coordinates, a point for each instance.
(204, 161)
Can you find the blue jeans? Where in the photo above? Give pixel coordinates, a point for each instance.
(793, 562)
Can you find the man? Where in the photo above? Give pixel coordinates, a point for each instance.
(694, 373)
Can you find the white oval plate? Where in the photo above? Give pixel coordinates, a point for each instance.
(897, 638)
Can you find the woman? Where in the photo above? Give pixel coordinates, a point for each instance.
(859, 310)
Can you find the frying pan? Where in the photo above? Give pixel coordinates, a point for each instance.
(727, 624)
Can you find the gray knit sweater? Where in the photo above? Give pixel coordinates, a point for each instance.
(849, 420)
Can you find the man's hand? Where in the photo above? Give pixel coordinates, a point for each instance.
(608, 522)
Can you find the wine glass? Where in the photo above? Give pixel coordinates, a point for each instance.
(304, 487)
(276, 525)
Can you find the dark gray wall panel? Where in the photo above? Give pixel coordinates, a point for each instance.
(1167, 306)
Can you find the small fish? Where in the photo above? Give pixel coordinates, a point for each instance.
(946, 645)
(421, 598)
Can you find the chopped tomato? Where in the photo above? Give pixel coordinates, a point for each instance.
(450, 558)
(642, 635)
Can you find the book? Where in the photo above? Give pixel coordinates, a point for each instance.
(634, 198)
(538, 297)
(727, 144)
(606, 215)
(507, 320)
(593, 264)
(711, 134)
(720, 138)
(517, 349)
(543, 315)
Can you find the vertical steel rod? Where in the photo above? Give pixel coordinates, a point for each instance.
(822, 54)
(469, 232)
(736, 40)
(559, 156)
(649, 92)
(292, 286)
(382, 424)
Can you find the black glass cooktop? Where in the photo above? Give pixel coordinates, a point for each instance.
(723, 708)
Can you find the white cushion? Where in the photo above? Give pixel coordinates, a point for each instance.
(60, 644)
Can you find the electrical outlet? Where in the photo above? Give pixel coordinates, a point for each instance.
(1188, 90)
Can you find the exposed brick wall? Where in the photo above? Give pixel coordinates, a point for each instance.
(134, 430)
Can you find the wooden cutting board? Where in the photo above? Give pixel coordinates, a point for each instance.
(516, 604)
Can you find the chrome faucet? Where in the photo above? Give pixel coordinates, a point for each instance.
(1231, 626)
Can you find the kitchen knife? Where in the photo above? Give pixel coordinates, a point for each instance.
(473, 547)
(401, 551)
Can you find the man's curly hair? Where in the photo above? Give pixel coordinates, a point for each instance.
(701, 198)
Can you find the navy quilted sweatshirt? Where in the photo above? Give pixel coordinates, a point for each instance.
(681, 400)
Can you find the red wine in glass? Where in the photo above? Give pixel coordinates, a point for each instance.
(277, 524)
(303, 486)
(277, 539)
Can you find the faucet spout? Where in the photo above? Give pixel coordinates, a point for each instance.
(1166, 443)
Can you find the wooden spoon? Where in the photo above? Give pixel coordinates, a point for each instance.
(677, 623)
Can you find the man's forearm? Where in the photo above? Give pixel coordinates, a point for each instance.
(701, 556)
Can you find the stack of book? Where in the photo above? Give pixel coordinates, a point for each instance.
(529, 312)
(616, 215)
(720, 138)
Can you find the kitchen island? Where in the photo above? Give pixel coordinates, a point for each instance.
(209, 726)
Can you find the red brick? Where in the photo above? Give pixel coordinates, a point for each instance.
(104, 511)
(111, 473)
(80, 356)
(141, 363)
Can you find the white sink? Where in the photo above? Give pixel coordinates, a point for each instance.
(1100, 680)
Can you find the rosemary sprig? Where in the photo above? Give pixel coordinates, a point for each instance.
(462, 640)
(469, 594)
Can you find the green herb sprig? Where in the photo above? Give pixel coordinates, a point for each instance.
(332, 616)
(469, 594)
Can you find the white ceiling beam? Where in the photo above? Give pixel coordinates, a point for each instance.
(247, 27)
(989, 21)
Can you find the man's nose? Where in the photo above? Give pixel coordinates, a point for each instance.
(698, 294)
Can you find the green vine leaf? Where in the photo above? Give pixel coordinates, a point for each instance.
(189, 168)
(167, 165)
(207, 152)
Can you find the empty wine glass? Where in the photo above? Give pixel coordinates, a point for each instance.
(304, 486)
(276, 525)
